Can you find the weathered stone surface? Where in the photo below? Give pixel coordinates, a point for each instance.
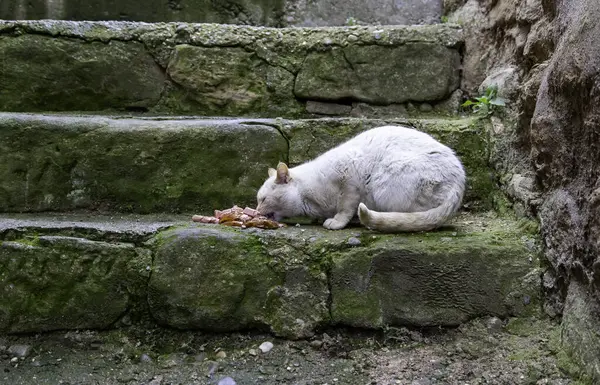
(221, 70)
(310, 138)
(320, 108)
(340, 12)
(289, 281)
(141, 165)
(505, 80)
(430, 279)
(380, 75)
(279, 279)
(564, 146)
(43, 73)
(255, 12)
(164, 164)
(57, 282)
(228, 280)
(231, 81)
(121, 228)
(580, 328)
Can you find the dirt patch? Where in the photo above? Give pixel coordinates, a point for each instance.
(482, 352)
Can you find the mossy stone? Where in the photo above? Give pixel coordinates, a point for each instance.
(41, 73)
(580, 333)
(221, 70)
(230, 81)
(439, 278)
(56, 283)
(293, 280)
(132, 165)
(219, 279)
(380, 75)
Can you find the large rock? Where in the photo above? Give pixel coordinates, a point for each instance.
(231, 81)
(431, 279)
(141, 165)
(341, 12)
(379, 75)
(57, 282)
(48, 74)
(213, 279)
(565, 142)
(221, 70)
(580, 328)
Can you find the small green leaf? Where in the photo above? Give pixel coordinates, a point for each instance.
(467, 103)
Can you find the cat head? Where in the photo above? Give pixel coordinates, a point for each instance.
(279, 196)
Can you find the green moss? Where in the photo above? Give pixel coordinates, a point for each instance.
(92, 76)
(61, 283)
(140, 166)
(435, 278)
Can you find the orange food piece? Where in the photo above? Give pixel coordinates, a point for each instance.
(238, 217)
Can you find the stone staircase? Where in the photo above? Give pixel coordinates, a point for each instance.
(112, 134)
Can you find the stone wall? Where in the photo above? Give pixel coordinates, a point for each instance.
(225, 70)
(544, 56)
(272, 13)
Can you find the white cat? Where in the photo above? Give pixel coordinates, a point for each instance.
(398, 178)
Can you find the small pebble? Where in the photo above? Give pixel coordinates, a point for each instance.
(252, 352)
(212, 368)
(221, 354)
(352, 38)
(266, 347)
(425, 107)
(353, 241)
(145, 358)
(14, 360)
(226, 381)
(316, 344)
(494, 324)
(19, 350)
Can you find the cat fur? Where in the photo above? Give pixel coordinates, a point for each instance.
(395, 178)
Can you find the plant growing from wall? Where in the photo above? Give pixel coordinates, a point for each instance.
(351, 21)
(487, 104)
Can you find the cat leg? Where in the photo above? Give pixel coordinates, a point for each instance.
(345, 211)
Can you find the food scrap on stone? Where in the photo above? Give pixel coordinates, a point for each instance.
(238, 217)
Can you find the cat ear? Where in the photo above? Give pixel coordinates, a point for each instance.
(272, 172)
(283, 173)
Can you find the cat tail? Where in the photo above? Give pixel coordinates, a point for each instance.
(393, 222)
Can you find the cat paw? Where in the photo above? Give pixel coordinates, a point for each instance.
(333, 224)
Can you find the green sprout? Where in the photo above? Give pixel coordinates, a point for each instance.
(351, 21)
(486, 104)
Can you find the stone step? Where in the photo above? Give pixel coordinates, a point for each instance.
(225, 70)
(68, 271)
(185, 164)
(253, 12)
